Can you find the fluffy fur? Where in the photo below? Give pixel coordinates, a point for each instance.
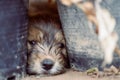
(45, 42)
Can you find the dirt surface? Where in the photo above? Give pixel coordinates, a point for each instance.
(72, 75)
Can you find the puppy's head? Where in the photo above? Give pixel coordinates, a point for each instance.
(46, 49)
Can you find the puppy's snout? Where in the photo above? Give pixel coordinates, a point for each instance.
(47, 64)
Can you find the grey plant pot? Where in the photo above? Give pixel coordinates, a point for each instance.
(82, 43)
(13, 36)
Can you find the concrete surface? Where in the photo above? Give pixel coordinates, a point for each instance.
(71, 75)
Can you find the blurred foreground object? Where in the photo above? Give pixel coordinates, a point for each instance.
(106, 34)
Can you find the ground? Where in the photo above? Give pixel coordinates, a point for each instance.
(71, 75)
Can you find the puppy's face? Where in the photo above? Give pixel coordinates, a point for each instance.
(46, 52)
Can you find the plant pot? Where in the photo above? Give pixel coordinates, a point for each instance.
(82, 43)
(13, 36)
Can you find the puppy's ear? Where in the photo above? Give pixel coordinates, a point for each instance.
(35, 34)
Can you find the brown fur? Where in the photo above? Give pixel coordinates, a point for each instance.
(45, 41)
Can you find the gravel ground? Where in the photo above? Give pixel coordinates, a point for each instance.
(72, 75)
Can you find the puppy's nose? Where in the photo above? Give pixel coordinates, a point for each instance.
(47, 64)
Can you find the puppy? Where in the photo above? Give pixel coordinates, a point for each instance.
(46, 44)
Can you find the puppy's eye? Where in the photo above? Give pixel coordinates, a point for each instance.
(32, 42)
(61, 45)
